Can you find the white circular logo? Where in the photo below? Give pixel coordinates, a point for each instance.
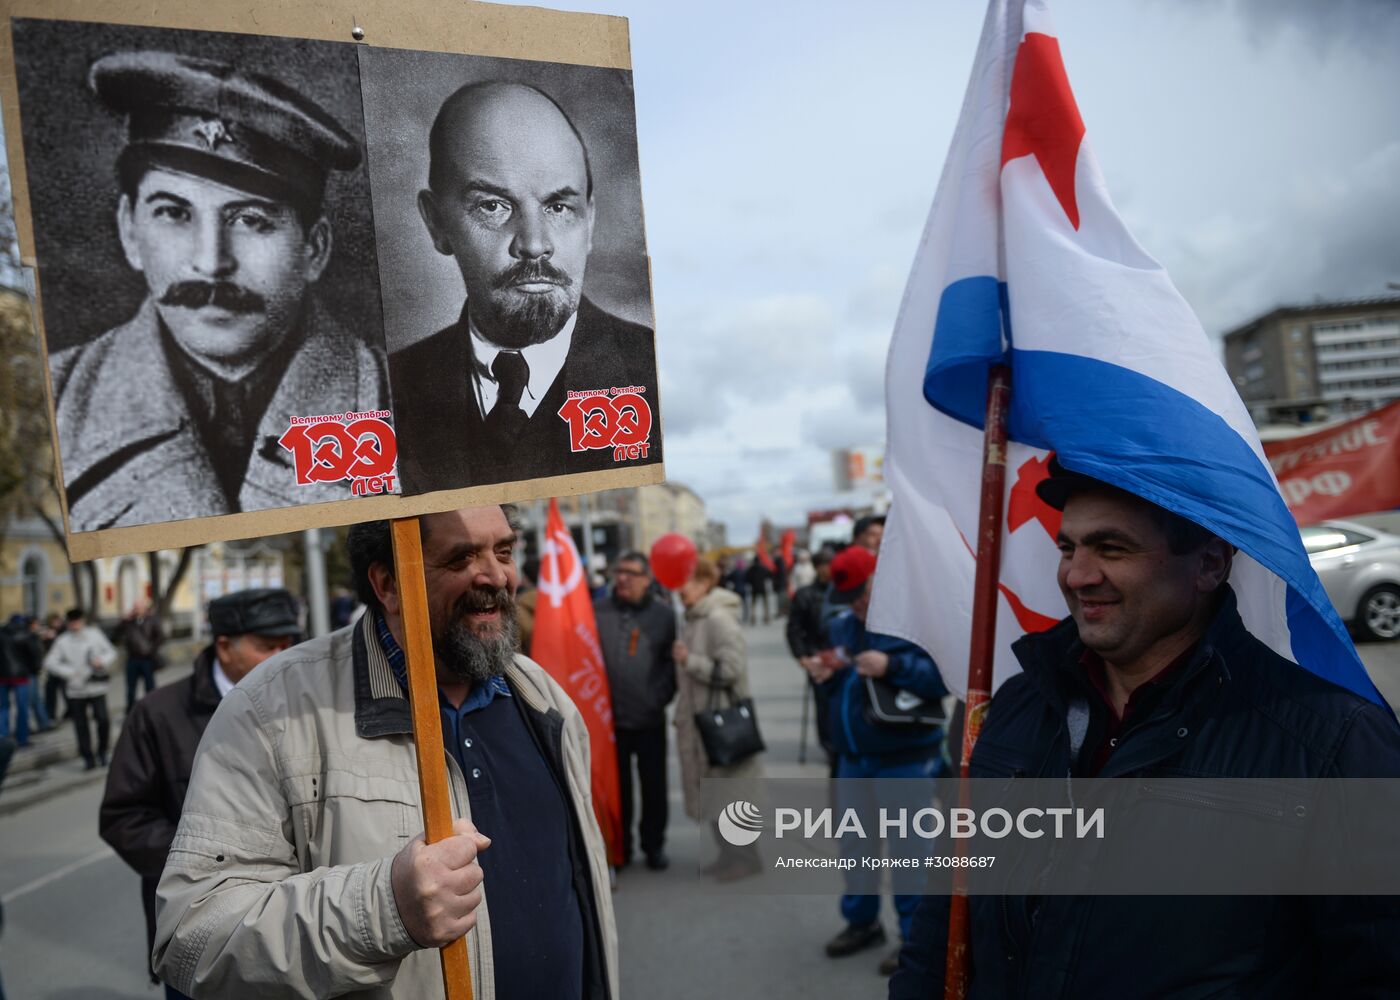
(740, 823)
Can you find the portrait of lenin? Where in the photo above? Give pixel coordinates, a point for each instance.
(509, 193)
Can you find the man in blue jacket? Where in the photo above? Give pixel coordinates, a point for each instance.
(867, 751)
(1157, 667)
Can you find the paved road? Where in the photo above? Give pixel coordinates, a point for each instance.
(1382, 659)
(73, 927)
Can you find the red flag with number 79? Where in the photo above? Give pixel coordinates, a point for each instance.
(566, 644)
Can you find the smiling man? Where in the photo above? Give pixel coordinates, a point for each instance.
(177, 412)
(299, 869)
(510, 197)
(1154, 675)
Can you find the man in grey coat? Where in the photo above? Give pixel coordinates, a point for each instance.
(636, 632)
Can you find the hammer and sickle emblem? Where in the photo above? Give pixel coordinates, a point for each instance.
(561, 569)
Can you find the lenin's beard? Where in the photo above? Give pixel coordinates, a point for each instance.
(514, 319)
(469, 657)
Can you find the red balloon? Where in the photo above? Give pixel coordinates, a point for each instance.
(673, 560)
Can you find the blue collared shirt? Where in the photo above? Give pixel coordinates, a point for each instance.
(536, 920)
(478, 698)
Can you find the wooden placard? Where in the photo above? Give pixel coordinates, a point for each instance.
(143, 435)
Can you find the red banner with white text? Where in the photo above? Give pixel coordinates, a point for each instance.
(566, 644)
(1348, 469)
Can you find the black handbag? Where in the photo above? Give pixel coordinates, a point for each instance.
(889, 707)
(730, 734)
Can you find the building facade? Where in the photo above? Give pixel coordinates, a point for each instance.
(630, 519)
(36, 578)
(1312, 363)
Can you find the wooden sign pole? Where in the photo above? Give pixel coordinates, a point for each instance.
(427, 723)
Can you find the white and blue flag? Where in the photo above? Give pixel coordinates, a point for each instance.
(1025, 261)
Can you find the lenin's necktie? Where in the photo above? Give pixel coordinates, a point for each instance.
(511, 374)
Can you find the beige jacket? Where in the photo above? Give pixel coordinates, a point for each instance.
(716, 644)
(303, 790)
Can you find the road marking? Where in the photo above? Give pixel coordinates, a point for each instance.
(55, 875)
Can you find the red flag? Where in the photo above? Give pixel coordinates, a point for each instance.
(789, 543)
(1347, 469)
(761, 551)
(788, 556)
(566, 644)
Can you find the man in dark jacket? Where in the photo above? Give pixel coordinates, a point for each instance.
(867, 751)
(14, 680)
(1155, 654)
(637, 632)
(806, 638)
(142, 637)
(760, 580)
(29, 654)
(151, 766)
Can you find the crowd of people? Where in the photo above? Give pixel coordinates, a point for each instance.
(824, 596)
(668, 657)
(59, 668)
(269, 800)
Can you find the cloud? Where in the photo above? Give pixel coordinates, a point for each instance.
(788, 169)
(1330, 235)
(843, 423)
(1371, 25)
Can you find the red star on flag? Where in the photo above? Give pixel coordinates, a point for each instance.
(1043, 120)
(1025, 504)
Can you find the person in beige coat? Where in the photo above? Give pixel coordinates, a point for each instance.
(711, 650)
(299, 870)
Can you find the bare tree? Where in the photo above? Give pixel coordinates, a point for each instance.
(162, 593)
(11, 271)
(28, 473)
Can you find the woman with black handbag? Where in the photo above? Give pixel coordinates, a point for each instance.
(716, 728)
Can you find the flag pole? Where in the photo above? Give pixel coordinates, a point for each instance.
(427, 723)
(982, 648)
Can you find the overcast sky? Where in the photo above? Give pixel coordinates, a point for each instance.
(790, 152)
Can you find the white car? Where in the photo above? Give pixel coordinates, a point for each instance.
(1360, 569)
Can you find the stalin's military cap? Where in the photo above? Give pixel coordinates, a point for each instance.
(268, 611)
(211, 119)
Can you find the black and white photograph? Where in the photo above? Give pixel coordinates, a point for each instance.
(203, 231)
(513, 261)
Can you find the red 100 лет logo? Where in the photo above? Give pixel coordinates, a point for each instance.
(359, 447)
(617, 418)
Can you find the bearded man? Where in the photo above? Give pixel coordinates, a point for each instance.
(299, 868)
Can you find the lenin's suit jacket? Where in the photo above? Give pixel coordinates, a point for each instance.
(441, 432)
(131, 453)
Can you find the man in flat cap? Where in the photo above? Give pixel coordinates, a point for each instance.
(1153, 675)
(155, 754)
(510, 196)
(177, 412)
